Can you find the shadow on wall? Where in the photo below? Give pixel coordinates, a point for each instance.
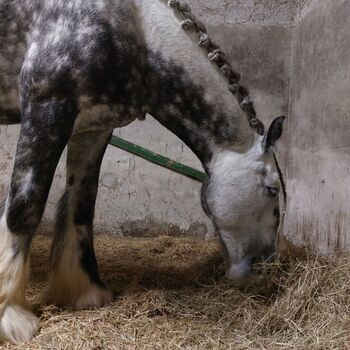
(151, 227)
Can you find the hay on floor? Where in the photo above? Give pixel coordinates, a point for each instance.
(173, 294)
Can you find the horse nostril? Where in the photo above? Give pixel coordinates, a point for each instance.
(240, 270)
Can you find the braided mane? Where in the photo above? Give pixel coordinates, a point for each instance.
(217, 56)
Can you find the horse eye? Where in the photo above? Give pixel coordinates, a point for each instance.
(272, 191)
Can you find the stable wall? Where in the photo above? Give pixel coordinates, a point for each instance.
(139, 198)
(318, 169)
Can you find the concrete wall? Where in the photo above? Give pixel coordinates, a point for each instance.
(139, 198)
(318, 171)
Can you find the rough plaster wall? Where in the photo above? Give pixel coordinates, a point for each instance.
(136, 197)
(257, 12)
(319, 143)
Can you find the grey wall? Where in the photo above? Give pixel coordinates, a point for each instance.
(139, 198)
(318, 212)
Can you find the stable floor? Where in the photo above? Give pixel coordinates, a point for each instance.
(171, 293)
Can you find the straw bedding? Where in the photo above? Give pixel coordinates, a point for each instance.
(171, 293)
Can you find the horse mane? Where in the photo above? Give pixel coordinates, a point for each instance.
(217, 56)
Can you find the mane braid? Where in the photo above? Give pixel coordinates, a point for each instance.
(217, 56)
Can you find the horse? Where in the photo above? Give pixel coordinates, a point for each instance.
(70, 72)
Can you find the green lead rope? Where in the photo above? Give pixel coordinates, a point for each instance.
(158, 159)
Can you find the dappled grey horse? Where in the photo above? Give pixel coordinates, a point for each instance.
(73, 70)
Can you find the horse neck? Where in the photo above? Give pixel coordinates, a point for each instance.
(187, 93)
(16, 20)
(19, 11)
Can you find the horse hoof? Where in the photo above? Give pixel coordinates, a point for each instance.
(94, 297)
(90, 296)
(17, 325)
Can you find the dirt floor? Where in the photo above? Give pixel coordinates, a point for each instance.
(172, 294)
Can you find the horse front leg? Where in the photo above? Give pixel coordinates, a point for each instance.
(46, 128)
(74, 279)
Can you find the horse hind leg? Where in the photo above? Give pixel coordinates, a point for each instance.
(74, 279)
(45, 124)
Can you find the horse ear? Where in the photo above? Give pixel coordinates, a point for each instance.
(274, 133)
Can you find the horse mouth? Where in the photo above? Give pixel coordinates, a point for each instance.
(251, 266)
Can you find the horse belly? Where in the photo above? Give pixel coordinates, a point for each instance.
(101, 117)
